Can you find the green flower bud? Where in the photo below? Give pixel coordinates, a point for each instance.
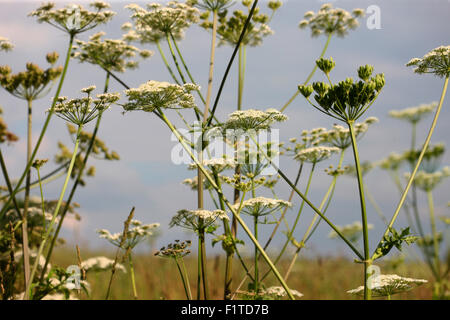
(52, 57)
(379, 82)
(326, 65)
(365, 72)
(306, 91)
(274, 5)
(321, 88)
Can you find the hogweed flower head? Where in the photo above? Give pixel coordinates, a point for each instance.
(211, 5)
(73, 18)
(384, 285)
(437, 61)
(262, 206)
(197, 220)
(340, 136)
(160, 95)
(137, 232)
(329, 20)
(414, 114)
(218, 164)
(316, 154)
(80, 111)
(252, 119)
(351, 231)
(158, 21)
(230, 27)
(5, 44)
(309, 138)
(175, 250)
(428, 181)
(347, 100)
(393, 162)
(34, 82)
(431, 158)
(113, 55)
(277, 292)
(100, 263)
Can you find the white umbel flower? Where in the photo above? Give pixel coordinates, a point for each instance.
(157, 21)
(414, 114)
(428, 181)
(5, 44)
(351, 231)
(219, 164)
(137, 232)
(100, 264)
(261, 206)
(80, 111)
(73, 18)
(254, 119)
(329, 20)
(154, 94)
(110, 54)
(280, 292)
(436, 61)
(316, 154)
(197, 219)
(385, 285)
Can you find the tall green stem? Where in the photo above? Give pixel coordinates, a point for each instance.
(297, 218)
(419, 161)
(133, 280)
(175, 60)
(44, 128)
(183, 280)
(228, 204)
(55, 213)
(367, 263)
(435, 233)
(25, 246)
(186, 67)
(161, 52)
(309, 76)
(75, 185)
(316, 216)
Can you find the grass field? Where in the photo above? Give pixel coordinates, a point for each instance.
(316, 278)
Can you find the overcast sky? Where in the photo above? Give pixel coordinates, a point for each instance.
(146, 178)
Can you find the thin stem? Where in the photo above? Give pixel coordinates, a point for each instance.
(175, 60)
(211, 66)
(76, 183)
(161, 52)
(309, 203)
(233, 56)
(44, 128)
(133, 280)
(309, 76)
(55, 213)
(240, 78)
(186, 277)
(8, 184)
(203, 263)
(310, 229)
(228, 204)
(367, 291)
(186, 67)
(25, 247)
(437, 259)
(297, 218)
(44, 221)
(182, 279)
(300, 169)
(419, 161)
